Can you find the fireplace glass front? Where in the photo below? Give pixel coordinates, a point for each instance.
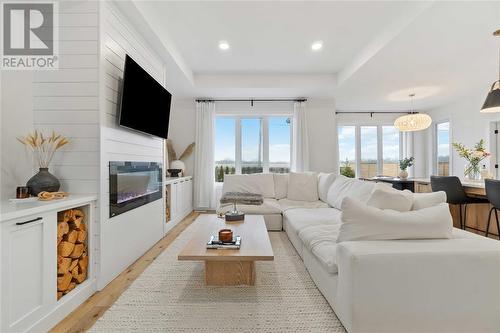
(133, 184)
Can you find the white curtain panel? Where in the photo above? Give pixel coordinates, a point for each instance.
(204, 164)
(300, 138)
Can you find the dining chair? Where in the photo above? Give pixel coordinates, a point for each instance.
(493, 194)
(455, 194)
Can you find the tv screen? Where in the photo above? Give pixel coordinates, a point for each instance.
(145, 104)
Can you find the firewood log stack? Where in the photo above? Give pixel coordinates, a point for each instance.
(72, 257)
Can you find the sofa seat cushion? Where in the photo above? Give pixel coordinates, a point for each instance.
(321, 240)
(270, 206)
(300, 218)
(286, 204)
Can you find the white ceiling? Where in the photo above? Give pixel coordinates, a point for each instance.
(371, 49)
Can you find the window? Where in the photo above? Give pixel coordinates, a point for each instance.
(224, 147)
(390, 151)
(443, 148)
(369, 151)
(347, 150)
(279, 144)
(251, 146)
(369, 148)
(245, 145)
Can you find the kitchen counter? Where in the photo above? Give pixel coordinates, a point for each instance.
(465, 182)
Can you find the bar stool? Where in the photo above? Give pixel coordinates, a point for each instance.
(493, 195)
(455, 194)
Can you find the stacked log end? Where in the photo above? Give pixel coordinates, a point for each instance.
(72, 257)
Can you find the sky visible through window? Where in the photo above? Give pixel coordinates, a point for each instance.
(225, 142)
(443, 138)
(279, 140)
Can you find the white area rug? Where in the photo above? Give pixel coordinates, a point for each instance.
(171, 296)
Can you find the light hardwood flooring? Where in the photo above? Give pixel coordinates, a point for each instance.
(83, 317)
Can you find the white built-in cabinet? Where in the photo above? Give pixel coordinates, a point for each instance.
(28, 266)
(179, 199)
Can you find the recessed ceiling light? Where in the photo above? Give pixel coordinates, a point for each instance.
(317, 45)
(223, 45)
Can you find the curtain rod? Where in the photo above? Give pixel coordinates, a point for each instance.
(374, 112)
(251, 100)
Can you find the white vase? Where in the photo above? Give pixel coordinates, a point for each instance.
(403, 174)
(178, 164)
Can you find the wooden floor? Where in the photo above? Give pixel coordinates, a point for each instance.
(83, 317)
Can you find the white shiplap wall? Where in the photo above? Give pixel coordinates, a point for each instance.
(127, 236)
(67, 101)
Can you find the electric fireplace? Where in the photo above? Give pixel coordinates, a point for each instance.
(133, 184)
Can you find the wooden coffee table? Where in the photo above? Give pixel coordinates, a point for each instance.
(229, 267)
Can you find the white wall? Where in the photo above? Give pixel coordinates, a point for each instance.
(467, 124)
(125, 237)
(182, 128)
(66, 100)
(63, 100)
(322, 130)
(16, 120)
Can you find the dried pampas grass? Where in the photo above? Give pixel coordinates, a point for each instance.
(187, 152)
(43, 147)
(172, 155)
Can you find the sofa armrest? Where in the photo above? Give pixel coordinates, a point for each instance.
(419, 285)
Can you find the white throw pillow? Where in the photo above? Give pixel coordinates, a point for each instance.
(303, 186)
(424, 200)
(325, 180)
(259, 183)
(363, 222)
(280, 185)
(343, 186)
(389, 198)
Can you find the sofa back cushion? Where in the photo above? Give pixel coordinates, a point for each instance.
(259, 183)
(343, 186)
(389, 198)
(325, 180)
(363, 222)
(425, 200)
(303, 186)
(280, 185)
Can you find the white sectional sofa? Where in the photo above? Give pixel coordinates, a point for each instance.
(432, 285)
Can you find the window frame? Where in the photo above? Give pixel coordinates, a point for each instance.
(357, 144)
(265, 137)
(435, 150)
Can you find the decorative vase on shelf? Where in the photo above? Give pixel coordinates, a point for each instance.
(472, 172)
(43, 181)
(403, 174)
(178, 164)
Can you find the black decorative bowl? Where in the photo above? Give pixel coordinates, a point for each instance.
(174, 172)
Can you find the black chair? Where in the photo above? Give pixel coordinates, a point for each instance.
(455, 194)
(493, 195)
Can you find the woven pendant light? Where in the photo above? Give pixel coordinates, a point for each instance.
(413, 121)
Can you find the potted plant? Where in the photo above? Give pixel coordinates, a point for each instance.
(346, 169)
(404, 164)
(43, 149)
(473, 157)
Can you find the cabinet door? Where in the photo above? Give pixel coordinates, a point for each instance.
(29, 273)
(180, 200)
(173, 202)
(189, 196)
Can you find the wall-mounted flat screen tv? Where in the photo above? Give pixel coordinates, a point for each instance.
(145, 103)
